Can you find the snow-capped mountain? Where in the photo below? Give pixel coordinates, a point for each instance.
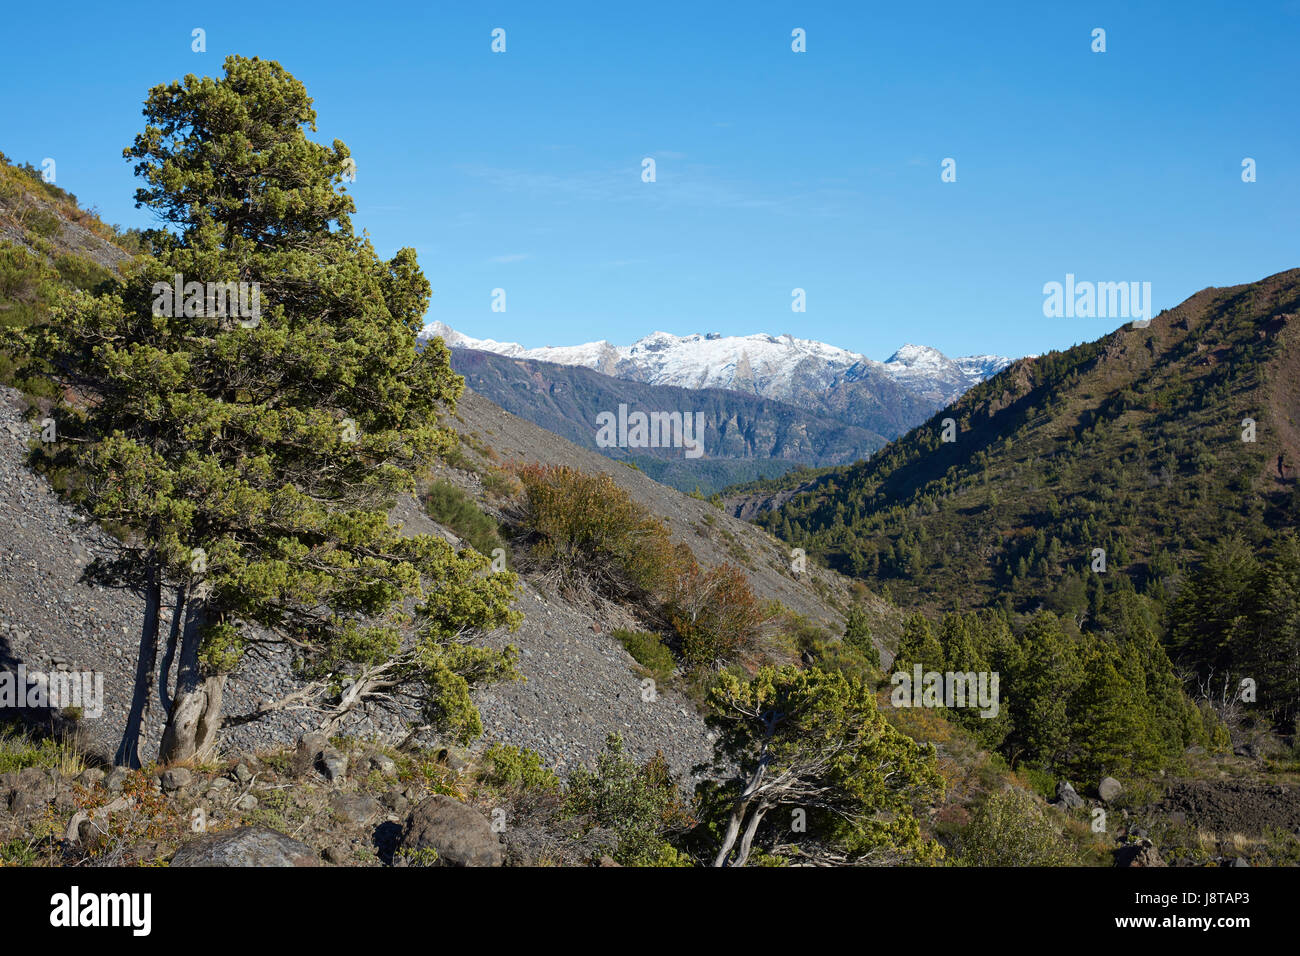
(779, 367)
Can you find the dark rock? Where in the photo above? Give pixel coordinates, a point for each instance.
(1067, 797)
(1138, 855)
(247, 846)
(460, 835)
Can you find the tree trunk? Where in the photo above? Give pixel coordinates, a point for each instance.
(128, 750)
(733, 830)
(195, 714)
(747, 841)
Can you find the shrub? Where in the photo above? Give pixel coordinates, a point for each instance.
(1011, 829)
(714, 613)
(589, 531)
(448, 505)
(640, 803)
(516, 768)
(648, 650)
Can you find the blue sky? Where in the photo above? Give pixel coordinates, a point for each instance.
(775, 169)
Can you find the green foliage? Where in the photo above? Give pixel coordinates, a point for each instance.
(517, 768)
(450, 506)
(857, 635)
(814, 742)
(640, 803)
(253, 462)
(1012, 829)
(648, 650)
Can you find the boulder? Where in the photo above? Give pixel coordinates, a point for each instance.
(1109, 789)
(1138, 854)
(177, 778)
(116, 779)
(460, 835)
(310, 747)
(247, 846)
(1067, 797)
(357, 809)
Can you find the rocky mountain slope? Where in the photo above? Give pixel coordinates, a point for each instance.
(1149, 443)
(580, 684)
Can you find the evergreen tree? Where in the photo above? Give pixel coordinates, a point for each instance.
(249, 460)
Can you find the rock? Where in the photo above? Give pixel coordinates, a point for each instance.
(457, 758)
(28, 789)
(609, 861)
(90, 777)
(246, 803)
(1239, 861)
(1138, 854)
(116, 779)
(357, 809)
(384, 764)
(177, 778)
(221, 783)
(334, 765)
(335, 854)
(310, 747)
(243, 773)
(246, 846)
(395, 800)
(1109, 789)
(460, 835)
(1067, 797)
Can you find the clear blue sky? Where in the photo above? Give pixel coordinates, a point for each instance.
(819, 170)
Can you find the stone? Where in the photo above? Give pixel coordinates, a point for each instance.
(334, 765)
(357, 809)
(460, 835)
(246, 803)
(1067, 797)
(116, 779)
(243, 773)
(310, 747)
(246, 846)
(1143, 854)
(177, 778)
(1109, 789)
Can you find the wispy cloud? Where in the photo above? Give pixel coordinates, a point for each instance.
(690, 185)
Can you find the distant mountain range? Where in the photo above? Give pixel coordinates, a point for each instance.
(770, 403)
(783, 367)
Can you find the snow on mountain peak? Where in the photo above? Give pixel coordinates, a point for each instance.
(771, 366)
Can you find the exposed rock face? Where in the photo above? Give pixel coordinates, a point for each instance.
(247, 846)
(460, 835)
